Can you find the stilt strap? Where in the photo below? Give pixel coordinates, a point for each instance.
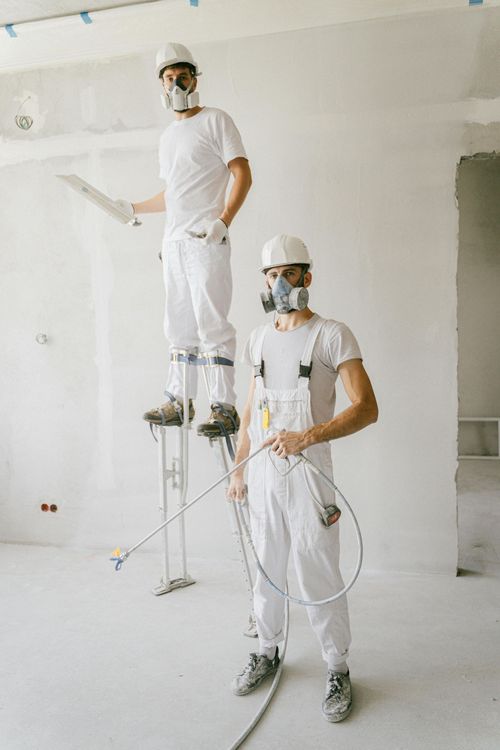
(203, 359)
(218, 407)
(209, 359)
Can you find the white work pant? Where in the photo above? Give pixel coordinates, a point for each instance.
(198, 289)
(284, 517)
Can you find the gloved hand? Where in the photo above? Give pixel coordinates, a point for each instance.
(215, 233)
(128, 212)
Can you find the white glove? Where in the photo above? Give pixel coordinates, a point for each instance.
(215, 233)
(127, 209)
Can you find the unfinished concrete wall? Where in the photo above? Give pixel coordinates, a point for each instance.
(365, 174)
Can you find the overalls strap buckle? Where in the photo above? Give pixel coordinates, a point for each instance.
(258, 370)
(305, 371)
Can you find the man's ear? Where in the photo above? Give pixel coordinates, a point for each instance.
(307, 279)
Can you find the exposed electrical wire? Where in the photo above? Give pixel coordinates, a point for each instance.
(24, 122)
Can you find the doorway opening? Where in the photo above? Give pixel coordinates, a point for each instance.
(478, 279)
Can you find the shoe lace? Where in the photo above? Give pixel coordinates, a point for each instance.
(252, 663)
(335, 685)
(218, 408)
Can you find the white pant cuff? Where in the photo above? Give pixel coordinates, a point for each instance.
(270, 643)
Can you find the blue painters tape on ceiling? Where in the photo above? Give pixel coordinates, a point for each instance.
(475, 2)
(193, 3)
(85, 17)
(9, 28)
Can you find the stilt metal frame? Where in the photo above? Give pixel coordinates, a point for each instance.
(178, 475)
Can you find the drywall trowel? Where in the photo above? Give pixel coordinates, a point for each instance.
(116, 209)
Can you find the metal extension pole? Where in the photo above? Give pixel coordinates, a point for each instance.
(236, 529)
(120, 559)
(237, 533)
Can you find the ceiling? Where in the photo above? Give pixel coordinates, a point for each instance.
(50, 32)
(23, 11)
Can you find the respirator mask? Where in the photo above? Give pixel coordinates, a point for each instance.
(179, 98)
(283, 297)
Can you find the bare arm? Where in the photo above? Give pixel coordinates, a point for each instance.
(362, 412)
(242, 181)
(153, 205)
(236, 489)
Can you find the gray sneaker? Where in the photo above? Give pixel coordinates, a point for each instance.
(258, 668)
(169, 414)
(338, 700)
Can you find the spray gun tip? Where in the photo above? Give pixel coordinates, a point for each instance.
(118, 558)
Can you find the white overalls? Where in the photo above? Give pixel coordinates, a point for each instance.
(198, 289)
(284, 515)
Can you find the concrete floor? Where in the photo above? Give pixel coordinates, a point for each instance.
(478, 485)
(92, 661)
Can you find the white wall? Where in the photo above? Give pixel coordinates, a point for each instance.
(366, 175)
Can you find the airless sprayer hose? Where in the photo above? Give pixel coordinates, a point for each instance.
(304, 602)
(274, 686)
(300, 458)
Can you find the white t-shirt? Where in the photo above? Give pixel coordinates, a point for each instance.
(282, 351)
(194, 154)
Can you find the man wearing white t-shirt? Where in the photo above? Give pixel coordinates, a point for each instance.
(199, 152)
(290, 408)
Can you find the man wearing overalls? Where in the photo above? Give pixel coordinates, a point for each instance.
(290, 408)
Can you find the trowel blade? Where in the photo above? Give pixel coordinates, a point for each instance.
(102, 201)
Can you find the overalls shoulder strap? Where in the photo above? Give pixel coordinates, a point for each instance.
(305, 366)
(258, 362)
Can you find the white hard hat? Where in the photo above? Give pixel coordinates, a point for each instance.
(174, 54)
(284, 250)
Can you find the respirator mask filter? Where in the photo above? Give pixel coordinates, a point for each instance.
(283, 297)
(179, 98)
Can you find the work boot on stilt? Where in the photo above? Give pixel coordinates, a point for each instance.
(223, 420)
(169, 414)
(338, 701)
(259, 667)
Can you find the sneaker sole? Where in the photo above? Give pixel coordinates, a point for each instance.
(164, 424)
(214, 433)
(259, 682)
(336, 719)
